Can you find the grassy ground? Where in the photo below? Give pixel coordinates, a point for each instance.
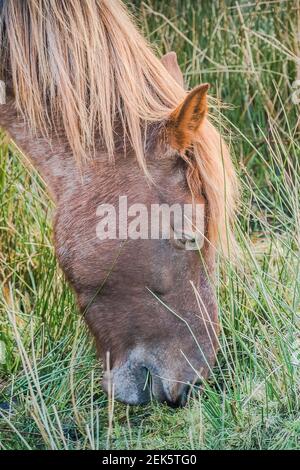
(50, 394)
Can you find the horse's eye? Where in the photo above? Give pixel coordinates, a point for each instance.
(192, 244)
(186, 241)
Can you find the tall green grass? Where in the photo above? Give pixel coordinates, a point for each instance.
(50, 394)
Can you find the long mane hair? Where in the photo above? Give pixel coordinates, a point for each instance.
(86, 66)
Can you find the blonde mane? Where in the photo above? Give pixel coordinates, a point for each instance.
(85, 66)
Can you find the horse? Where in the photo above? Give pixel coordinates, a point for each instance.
(99, 115)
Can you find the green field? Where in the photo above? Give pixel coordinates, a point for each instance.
(50, 395)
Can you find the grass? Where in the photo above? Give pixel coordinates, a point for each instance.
(50, 394)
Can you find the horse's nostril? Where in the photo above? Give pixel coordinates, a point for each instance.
(128, 383)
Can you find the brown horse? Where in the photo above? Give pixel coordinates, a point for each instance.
(100, 116)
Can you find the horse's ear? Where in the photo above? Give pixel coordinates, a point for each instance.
(169, 61)
(187, 118)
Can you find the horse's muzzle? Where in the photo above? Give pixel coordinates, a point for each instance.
(134, 384)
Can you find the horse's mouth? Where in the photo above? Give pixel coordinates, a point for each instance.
(138, 386)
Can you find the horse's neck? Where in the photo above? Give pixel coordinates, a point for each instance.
(54, 161)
